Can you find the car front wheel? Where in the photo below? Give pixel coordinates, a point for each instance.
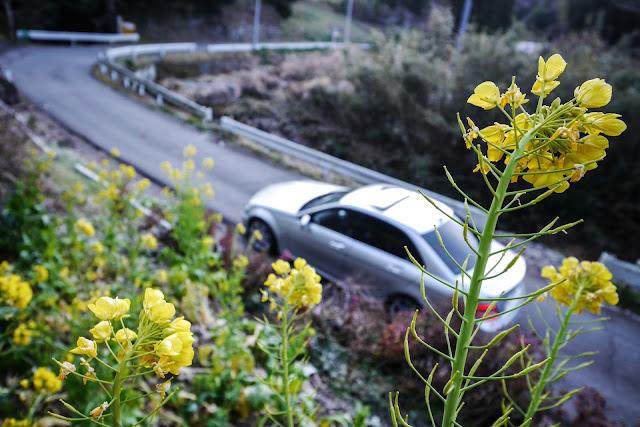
(400, 303)
(267, 243)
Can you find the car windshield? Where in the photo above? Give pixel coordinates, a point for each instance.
(327, 198)
(451, 234)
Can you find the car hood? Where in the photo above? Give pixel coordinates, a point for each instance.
(292, 195)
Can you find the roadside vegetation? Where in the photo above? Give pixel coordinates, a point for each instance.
(224, 336)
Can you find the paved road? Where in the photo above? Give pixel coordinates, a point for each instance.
(57, 79)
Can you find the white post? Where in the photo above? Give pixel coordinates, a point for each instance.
(126, 82)
(159, 99)
(347, 24)
(114, 75)
(256, 22)
(141, 90)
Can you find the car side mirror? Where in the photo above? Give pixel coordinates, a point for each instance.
(305, 220)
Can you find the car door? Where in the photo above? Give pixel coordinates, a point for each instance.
(324, 241)
(377, 256)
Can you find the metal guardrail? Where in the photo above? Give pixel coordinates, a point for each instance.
(621, 270)
(249, 47)
(143, 86)
(333, 164)
(73, 37)
(134, 51)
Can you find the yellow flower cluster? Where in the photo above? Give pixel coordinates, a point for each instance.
(45, 381)
(298, 286)
(12, 422)
(40, 273)
(148, 240)
(22, 334)
(84, 226)
(13, 291)
(173, 346)
(569, 140)
(590, 281)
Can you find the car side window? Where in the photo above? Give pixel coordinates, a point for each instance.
(334, 219)
(382, 235)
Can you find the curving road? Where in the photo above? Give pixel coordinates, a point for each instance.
(58, 80)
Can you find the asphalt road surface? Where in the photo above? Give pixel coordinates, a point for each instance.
(58, 80)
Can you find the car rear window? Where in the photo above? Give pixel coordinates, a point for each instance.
(451, 234)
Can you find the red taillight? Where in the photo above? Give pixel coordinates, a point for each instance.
(482, 311)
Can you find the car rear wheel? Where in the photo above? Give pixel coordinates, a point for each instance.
(268, 242)
(400, 303)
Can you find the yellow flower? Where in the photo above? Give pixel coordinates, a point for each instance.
(546, 175)
(22, 335)
(240, 262)
(65, 369)
(152, 296)
(607, 123)
(548, 72)
(41, 273)
(240, 228)
(85, 226)
(14, 292)
(551, 70)
(107, 308)
(97, 247)
(149, 241)
(170, 346)
(46, 381)
(143, 184)
(123, 334)
(86, 347)
(115, 152)
(594, 93)
(208, 190)
(495, 136)
(513, 96)
(101, 332)
(189, 151)
(24, 383)
(161, 311)
(281, 267)
(96, 413)
(486, 95)
(178, 325)
(207, 163)
(163, 388)
(188, 165)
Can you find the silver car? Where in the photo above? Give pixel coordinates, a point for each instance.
(362, 233)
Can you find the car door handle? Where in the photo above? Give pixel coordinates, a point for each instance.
(393, 269)
(338, 246)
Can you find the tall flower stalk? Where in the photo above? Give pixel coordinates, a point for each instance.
(549, 148)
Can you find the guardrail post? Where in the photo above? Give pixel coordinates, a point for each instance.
(208, 115)
(103, 69)
(159, 99)
(114, 75)
(141, 90)
(126, 82)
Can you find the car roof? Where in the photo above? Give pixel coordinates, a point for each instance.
(399, 204)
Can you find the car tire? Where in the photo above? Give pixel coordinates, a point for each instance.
(268, 242)
(400, 304)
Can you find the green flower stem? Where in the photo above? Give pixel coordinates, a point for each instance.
(558, 343)
(454, 394)
(284, 354)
